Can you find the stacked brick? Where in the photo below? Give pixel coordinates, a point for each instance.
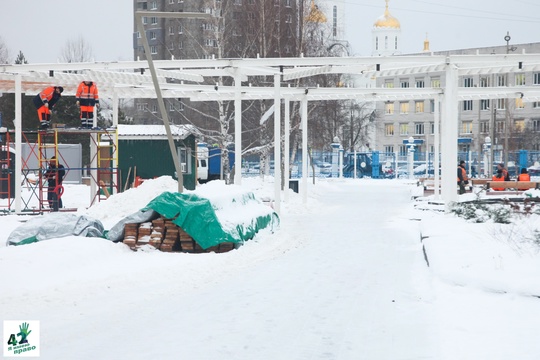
(164, 235)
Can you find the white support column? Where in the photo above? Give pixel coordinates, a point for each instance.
(436, 146)
(304, 117)
(115, 108)
(449, 132)
(287, 160)
(238, 129)
(18, 143)
(277, 143)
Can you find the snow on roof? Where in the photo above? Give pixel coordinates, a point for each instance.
(156, 131)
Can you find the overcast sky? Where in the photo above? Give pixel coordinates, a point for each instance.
(41, 29)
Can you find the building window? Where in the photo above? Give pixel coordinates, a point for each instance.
(419, 128)
(536, 124)
(395, 43)
(153, 20)
(468, 82)
(484, 104)
(404, 107)
(171, 30)
(377, 43)
(484, 81)
(288, 19)
(499, 127)
(154, 108)
(501, 104)
(536, 104)
(403, 129)
(152, 35)
(403, 149)
(389, 84)
(154, 5)
(432, 106)
(536, 79)
(484, 127)
(432, 128)
(145, 20)
(520, 104)
(153, 49)
(435, 82)
(501, 80)
(389, 108)
(419, 106)
(466, 127)
(389, 149)
(251, 16)
(520, 79)
(404, 83)
(389, 129)
(171, 107)
(467, 105)
(180, 44)
(237, 2)
(420, 83)
(519, 125)
(180, 29)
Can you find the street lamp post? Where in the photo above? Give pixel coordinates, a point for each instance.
(507, 112)
(410, 157)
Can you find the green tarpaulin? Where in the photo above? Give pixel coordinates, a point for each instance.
(197, 217)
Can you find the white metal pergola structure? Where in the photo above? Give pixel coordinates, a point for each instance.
(127, 80)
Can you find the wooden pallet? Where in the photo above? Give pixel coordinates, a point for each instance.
(166, 236)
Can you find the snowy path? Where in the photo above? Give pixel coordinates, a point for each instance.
(355, 287)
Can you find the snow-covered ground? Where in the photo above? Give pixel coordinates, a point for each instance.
(345, 277)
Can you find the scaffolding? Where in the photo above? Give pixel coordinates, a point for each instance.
(6, 169)
(43, 145)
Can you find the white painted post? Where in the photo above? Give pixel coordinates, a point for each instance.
(341, 151)
(354, 166)
(286, 156)
(437, 145)
(304, 117)
(18, 143)
(410, 158)
(115, 109)
(277, 143)
(449, 133)
(238, 128)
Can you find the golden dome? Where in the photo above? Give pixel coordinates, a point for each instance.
(315, 15)
(387, 20)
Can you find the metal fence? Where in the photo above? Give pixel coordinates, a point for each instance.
(394, 165)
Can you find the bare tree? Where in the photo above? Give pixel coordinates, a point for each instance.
(4, 52)
(77, 50)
